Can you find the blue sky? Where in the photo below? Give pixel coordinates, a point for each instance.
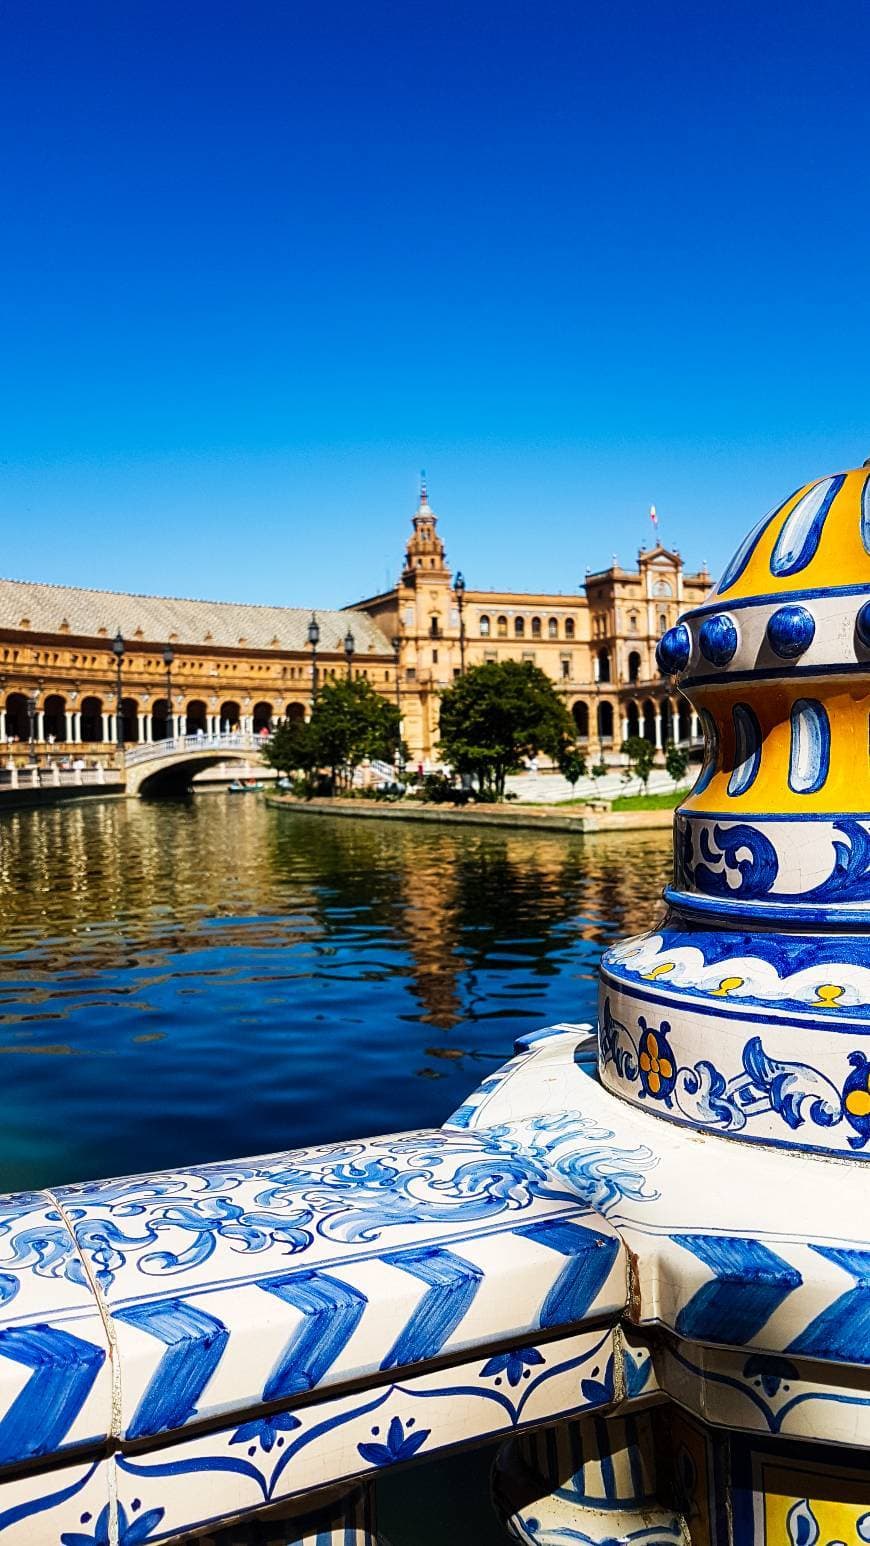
(261, 262)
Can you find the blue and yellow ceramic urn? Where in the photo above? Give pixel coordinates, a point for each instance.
(746, 1012)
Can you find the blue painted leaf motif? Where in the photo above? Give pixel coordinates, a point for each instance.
(769, 1372)
(513, 1364)
(131, 1532)
(265, 1430)
(802, 1525)
(741, 849)
(636, 1374)
(398, 1447)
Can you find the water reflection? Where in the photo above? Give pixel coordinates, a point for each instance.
(181, 981)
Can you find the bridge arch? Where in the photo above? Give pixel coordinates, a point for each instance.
(169, 765)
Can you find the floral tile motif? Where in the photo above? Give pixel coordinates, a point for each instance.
(236, 1285)
(55, 1378)
(774, 1266)
(60, 1507)
(204, 1478)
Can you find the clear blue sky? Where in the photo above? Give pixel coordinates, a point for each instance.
(262, 261)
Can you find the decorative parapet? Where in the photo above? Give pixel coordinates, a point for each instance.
(673, 1332)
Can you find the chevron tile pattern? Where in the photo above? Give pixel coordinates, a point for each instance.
(231, 1286)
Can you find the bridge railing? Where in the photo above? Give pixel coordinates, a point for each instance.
(151, 751)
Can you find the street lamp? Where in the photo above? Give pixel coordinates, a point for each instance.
(168, 657)
(32, 701)
(349, 647)
(313, 640)
(459, 588)
(118, 652)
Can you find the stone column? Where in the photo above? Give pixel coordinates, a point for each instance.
(107, 726)
(658, 725)
(142, 721)
(695, 728)
(39, 725)
(74, 718)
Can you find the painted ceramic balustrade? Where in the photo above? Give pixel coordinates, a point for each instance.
(746, 1012)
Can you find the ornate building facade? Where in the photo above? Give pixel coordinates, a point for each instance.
(70, 657)
(598, 644)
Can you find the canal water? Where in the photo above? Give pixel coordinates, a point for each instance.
(208, 978)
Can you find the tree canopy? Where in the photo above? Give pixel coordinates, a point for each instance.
(349, 722)
(497, 714)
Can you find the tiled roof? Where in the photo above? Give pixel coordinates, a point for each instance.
(159, 619)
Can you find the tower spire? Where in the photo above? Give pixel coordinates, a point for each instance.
(424, 493)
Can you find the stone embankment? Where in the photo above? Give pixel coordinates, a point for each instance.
(577, 819)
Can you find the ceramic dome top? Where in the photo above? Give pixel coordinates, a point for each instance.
(816, 536)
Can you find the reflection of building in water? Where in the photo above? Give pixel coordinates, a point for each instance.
(206, 666)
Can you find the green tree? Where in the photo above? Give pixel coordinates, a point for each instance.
(292, 748)
(497, 714)
(349, 722)
(641, 755)
(676, 761)
(572, 763)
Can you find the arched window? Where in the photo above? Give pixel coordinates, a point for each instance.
(17, 719)
(649, 721)
(501, 627)
(569, 627)
(230, 717)
(553, 628)
(580, 712)
(159, 719)
(605, 721)
(54, 718)
(632, 622)
(519, 626)
(634, 666)
(295, 712)
(484, 626)
(536, 628)
(603, 666)
(262, 718)
(130, 720)
(663, 622)
(195, 719)
(91, 725)
(664, 588)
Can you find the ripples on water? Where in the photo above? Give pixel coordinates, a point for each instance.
(206, 979)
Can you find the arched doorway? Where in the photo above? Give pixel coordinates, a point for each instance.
(160, 719)
(605, 723)
(230, 717)
(196, 719)
(54, 718)
(649, 721)
(634, 666)
(603, 661)
(262, 718)
(632, 719)
(295, 711)
(667, 722)
(580, 712)
(684, 723)
(17, 717)
(92, 719)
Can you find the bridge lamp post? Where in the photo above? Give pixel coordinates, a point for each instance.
(32, 702)
(168, 657)
(459, 589)
(118, 652)
(313, 640)
(349, 648)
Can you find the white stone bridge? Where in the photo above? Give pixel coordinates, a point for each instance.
(174, 761)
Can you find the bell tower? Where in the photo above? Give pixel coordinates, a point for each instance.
(425, 559)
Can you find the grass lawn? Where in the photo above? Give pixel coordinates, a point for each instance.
(649, 802)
